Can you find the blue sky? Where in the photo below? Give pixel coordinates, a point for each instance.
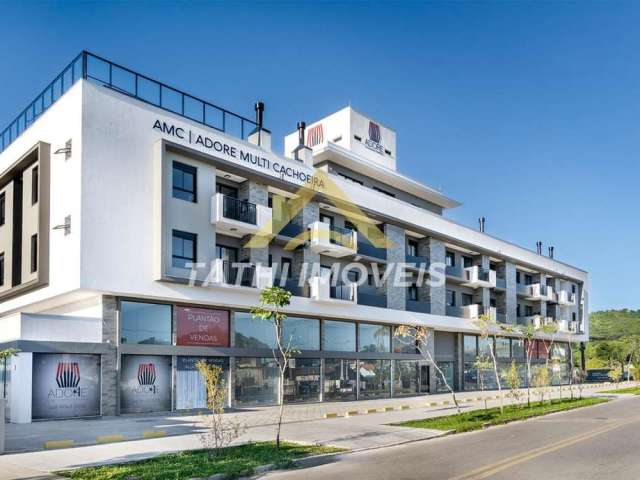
(528, 113)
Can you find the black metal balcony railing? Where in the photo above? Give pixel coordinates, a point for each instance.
(231, 274)
(240, 210)
(341, 291)
(123, 80)
(341, 236)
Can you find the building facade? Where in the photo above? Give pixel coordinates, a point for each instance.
(138, 225)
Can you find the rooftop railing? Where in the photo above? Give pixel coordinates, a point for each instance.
(123, 80)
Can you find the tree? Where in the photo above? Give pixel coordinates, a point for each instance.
(615, 374)
(488, 327)
(419, 337)
(221, 432)
(541, 381)
(273, 300)
(481, 364)
(5, 355)
(512, 376)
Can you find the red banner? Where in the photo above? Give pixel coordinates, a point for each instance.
(202, 327)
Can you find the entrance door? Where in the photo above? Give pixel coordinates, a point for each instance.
(424, 378)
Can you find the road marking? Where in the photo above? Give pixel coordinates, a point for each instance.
(492, 469)
(52, 444)
(154, 434)
(110, 438)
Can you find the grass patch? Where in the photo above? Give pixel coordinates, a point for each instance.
(232, 461)
(478, 419)
(633, 390)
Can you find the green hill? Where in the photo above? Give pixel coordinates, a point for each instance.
(614, 324)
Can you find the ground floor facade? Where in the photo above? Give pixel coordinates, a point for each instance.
(142, 359)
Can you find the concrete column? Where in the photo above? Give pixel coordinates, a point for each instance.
(109, 361)
(304, 255)
(257, 194)
(511, 297)
(436, 254)
(431, 346)
(396, 254)
(484, 294)
(543, 303)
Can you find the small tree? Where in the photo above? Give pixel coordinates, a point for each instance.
(528, 334)
(271, 309)
(541, 381)
(5, 355)
(487, 327)
(481, 364)
(579, 376)
(615, 374)
(221, 432)
(419, 336)
(512, 376)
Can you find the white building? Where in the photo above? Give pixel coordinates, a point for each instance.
(113, 183)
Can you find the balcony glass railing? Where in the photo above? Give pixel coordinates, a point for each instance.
(293, 285)
(341, 236)
(239, 210)
(341, 291)
(291, 230)
(233, 275)
(454, 271)
(123, 80)
(418, 306)
(371, 298)
(366, 248)
(417, 260)
(501, 283)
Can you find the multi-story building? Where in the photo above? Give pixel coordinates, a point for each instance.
(138, 225)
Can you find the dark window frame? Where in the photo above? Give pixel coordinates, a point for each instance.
(2, 269)
(186, 170)
(34, 185)
(34, 253)
(188, 236)
(449, 255)
(3, 206)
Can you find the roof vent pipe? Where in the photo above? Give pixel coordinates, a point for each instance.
(259, 114)
(550, 252)
(481, 222)
(301, 127)
(539, 248)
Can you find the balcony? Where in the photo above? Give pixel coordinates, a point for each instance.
(321, 290)
(454, 271)
(332, 241)
(477, 277)
(241, 274)
(418, 306)
(416, 261)
(575, 327)
(537, 320)
(501, 283)
(563, 326)
(367, 249)
(369, 296)
(238, 218)
(473, 311)
(539, 291)
(566, 298)
(293, 286)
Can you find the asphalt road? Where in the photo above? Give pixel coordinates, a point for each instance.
(597, 442)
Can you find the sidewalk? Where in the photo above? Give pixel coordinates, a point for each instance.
(304, 424)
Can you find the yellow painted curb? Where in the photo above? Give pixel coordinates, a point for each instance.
(479, 399)
(388, 409)
(405, 407)
(445, 402)
(432, 404)
(371, 410)
(330, 415)
(352, 413)
(154, 434)
(51, 444)
(109, 438)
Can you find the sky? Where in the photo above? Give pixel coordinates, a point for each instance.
(526, 112)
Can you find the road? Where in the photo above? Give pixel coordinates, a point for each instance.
(597, 442)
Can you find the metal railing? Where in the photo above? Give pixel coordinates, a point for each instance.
(231, 275)
(366, 248)
(371, 298)
(341, 236)
(240, 210)
(341, 291)
(418, 306)
(123, 80)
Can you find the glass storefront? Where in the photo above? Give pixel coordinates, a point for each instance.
(304, 333)
(256, 381)
(470, 348)
(302, 380)
(374, 338)
(375, 379)
(448, 370)
(145, 323)
(404, 344)
(190, 387)
(470, 379)
(340, 379)
(406, 378)
(253, 333)
(338, 336)
(503, 348)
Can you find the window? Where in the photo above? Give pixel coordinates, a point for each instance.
(338, 336)
(518, 310)
(517, 277)
(350, 225)
(256, 381)
(378, 189)
(412, 292)
(1, 269)
(466, 299)
(517, 349)
(406, 378)
(470, 347)
(285, 267)
(227, 191)
(404, 343)
(450, 259)
(451, 298)
(528, 279)
(573, 287)
(2, 208)
(528, 310)
(340, 379)
(503, 348)
(375, 379)
(302, 380)
(328, 219)
(351, 179)
(34, 185)
(467, 261)
(374, 338)
(34, 252)
(301, 333)
(574, 317)
(145, 323)
(184, 248)
(253, 333)
(184, 182)
(412, 248)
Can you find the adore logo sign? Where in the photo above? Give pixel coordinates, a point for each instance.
(373, 142)
(68, 375)
(146, 374)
